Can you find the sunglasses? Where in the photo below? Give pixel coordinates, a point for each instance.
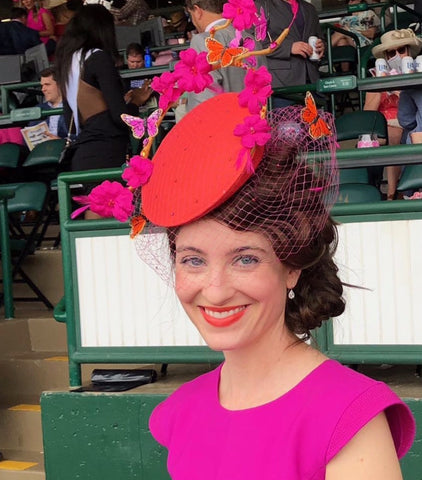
(392, 53)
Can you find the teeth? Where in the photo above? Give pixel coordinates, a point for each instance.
(225, 314)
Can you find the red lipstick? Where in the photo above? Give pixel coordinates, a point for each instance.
(222, 320)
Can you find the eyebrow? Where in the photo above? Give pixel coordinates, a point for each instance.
(187, 248)
(231, 252)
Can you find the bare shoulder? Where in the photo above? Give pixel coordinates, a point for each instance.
(370, 455)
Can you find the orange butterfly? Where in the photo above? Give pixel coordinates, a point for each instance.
(317, 126)
(137, 224)
(218, 53)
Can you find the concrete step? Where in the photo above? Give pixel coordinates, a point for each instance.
(20, 427)
(37, 332)
(22, 465)
(28, 374)
(47, 335)
(14, 336)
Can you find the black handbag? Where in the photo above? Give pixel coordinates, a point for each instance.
(68, 151)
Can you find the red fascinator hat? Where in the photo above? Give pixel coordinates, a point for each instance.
(196, 167)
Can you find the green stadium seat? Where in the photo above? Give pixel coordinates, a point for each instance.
(358, 193)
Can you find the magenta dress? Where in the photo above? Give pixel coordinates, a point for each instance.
(39, 24)
(293, 437)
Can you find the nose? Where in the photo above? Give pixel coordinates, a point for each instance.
(219, 288)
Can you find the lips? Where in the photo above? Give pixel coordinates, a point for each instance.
(222, 316)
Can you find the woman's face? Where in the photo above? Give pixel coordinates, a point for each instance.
(28, 4)
(231, 284)
(402, 51)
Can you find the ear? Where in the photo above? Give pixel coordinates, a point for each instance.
(292, 278)
(197, 11)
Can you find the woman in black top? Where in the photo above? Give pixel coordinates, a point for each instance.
(93, 90)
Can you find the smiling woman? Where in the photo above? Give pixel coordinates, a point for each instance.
(245, 195)
(238, 284)
(254, 271)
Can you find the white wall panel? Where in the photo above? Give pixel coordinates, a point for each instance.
(385, 258)
(123, 302)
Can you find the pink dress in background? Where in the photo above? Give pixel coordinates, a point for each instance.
(11, 135)
(293, 437)
(39, 24)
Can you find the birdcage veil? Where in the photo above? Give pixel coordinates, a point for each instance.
(287, 199)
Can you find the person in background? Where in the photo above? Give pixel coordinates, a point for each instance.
(53, 99)
(410, 114)
(42, 20)
(135, 56)
(206, 14)
(364, 24)
(131, 13)
(15, 36)
(395, 45)
(290, 64)
(135, 60)
(179, 23)
(61, 14)
(93, 91)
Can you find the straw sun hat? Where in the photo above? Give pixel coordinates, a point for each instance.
(396, 39)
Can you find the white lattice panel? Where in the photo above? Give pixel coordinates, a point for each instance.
(123, 302)
(386, 258)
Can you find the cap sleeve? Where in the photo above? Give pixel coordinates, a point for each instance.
(367, 406)
(159, 424)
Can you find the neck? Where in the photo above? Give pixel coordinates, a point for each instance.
(262, 373)
(56, 103)
(209, 18)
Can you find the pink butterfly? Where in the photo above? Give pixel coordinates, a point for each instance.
(140, 125)
(261, 26)
(236, 40)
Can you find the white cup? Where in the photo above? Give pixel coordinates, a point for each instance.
(418, 63)
(381, 67)
(407, 65)
(312, 42)
(368, 140)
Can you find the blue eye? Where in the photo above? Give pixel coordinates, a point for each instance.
(192, 261)
(246, 260)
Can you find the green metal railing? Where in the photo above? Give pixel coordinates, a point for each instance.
(68, 309)
(6, 258)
